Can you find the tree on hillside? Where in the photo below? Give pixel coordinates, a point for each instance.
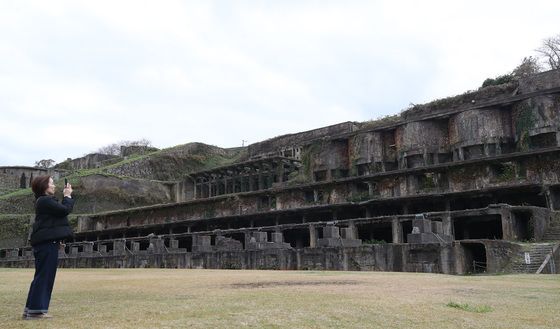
(550, 51)
(529, 66)
(115, 148)
(45, 163)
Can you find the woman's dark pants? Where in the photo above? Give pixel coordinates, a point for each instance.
(46, 262)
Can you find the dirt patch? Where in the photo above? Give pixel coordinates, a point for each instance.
(268, 284)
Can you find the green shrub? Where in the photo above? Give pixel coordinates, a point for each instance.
(470, 308)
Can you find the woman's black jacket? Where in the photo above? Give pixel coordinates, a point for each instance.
(51, 220)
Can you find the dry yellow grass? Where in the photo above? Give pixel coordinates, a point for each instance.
(169, 298)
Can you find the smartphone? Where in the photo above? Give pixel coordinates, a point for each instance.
(65, 182)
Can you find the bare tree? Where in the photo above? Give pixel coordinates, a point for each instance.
(550, 51)
(529, 66)
(115, 148)
(45, 163)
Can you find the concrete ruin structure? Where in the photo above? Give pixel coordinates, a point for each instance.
(468, 184)
(20, 177)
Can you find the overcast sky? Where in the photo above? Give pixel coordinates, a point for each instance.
(78, 75)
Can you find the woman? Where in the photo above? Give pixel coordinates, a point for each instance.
(50, 228)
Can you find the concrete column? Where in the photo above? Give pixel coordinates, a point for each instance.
(354, 228)
(396, 228)
(425, 157)
(447, 223)
(312, 236)
(88, 247)
(486, 149)
(280, 171)
(508, 231)
(119, 247)
(370, 188)
(247, 238)
(549, 197)
(260, 178)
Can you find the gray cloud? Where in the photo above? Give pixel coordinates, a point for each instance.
(76, 75)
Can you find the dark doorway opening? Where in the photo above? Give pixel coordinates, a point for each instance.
(523, 225)
(371, 233)
(185, 243)
(480, 227)
(406, 230)
(475, 257)
(239, 237)
(543, 140)
(297, 238)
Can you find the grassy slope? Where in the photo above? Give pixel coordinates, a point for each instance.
(158, 298)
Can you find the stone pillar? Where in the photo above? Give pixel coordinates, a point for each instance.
(102, 248)
(277, 237)
(135, 246)
(260, 178)
(370, 188)
(174, 244)
(280, 171)
(396, 228)
(312, 236)
(508, 232)
(354, 230)
(260, 236)
(447, 225)
(331, 231)
(247, 238)
(119, 247)
(548, 196)
(88, 247)
(202, 243)
(157, 245)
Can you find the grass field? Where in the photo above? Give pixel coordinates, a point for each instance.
(168, 298)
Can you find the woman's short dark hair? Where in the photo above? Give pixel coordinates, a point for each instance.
(39, 185)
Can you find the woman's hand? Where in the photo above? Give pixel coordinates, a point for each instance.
(67, 190)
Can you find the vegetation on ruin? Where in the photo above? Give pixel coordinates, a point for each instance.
(524, 121)
(506, 172)
(359, 197)
(304, 173)
(181, 298)
(381, 121)
(499, 80)
(17, 193)
(14, 227)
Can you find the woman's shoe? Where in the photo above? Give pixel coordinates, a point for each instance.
(37, 316)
